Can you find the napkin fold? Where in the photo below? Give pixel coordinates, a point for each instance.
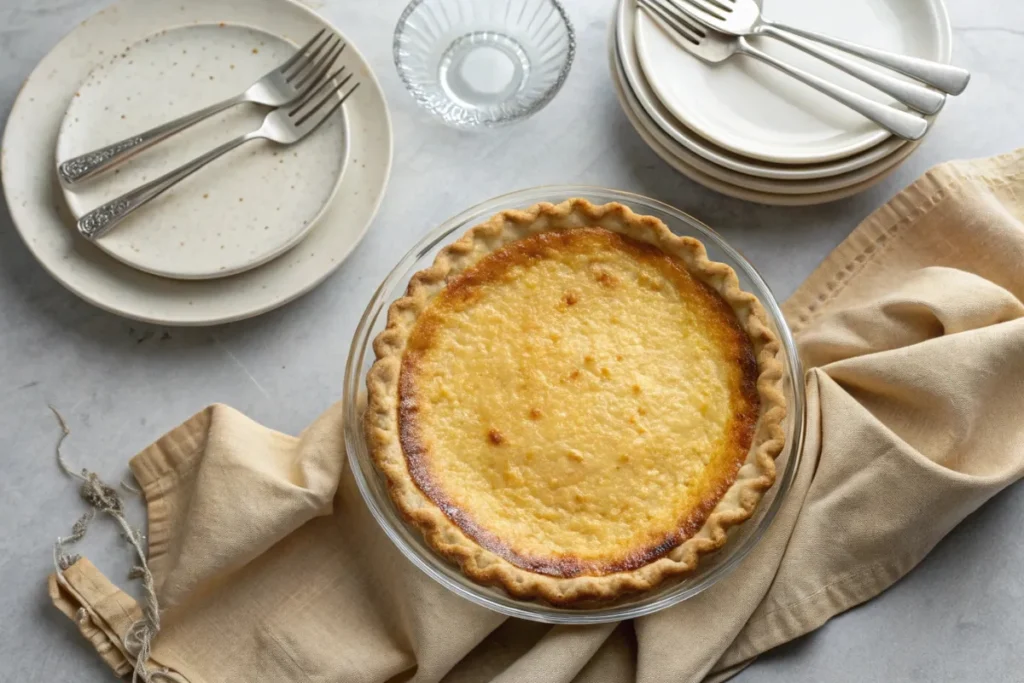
(269, 567)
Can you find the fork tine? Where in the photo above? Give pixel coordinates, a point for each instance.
(720, 5)
(311, 57)
(301, 52)
(326, 115)
(315, 89)
(321, 67)
(671, 21)
(328, 82)
(697, 8)
(327, 98)
(687, 17)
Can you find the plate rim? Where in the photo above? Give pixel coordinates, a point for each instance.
(55, 216)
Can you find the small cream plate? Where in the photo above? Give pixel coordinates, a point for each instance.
(756, 111)
(34, 196)
(235, 214)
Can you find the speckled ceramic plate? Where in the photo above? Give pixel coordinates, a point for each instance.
(34, 195)
(240, 211)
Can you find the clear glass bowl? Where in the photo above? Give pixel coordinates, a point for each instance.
(373, 485)
(483, 63)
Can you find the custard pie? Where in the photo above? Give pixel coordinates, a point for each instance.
(573, 403)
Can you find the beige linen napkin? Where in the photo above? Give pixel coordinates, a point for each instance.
(269, 567)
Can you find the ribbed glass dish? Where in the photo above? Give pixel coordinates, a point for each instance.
(483, 63)
(373, 485)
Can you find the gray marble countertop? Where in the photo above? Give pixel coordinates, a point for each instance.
(120, 384)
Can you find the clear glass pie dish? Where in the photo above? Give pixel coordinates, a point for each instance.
(374, 487)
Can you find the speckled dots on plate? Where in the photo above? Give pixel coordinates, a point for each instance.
(240, 211)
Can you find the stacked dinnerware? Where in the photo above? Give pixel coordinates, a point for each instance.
(749, 131)
(211, 169)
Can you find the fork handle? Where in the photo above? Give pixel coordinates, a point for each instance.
(81, 168)
(102, 219)
(946, 77)
(918, 97)
(904, 124)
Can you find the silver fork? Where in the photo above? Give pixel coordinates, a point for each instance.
(712, 13)
(713, 47)
(744, 18)
(285, 125)
(281, 86)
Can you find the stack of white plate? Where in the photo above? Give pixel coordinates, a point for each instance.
(746, 130)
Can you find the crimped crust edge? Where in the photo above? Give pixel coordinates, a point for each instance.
(756, 475)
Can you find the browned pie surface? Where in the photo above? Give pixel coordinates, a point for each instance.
(577, 402)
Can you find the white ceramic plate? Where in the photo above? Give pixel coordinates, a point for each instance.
(770, 186)
(657, 142)
(34, 198)
(686, 140)
(757, 111)
(240, 211)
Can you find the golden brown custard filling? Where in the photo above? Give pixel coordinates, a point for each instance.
(577, 402)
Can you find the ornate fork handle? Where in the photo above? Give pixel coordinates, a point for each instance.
(100, 220)
(74, 171)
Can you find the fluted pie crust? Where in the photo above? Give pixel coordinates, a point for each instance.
(574, 403)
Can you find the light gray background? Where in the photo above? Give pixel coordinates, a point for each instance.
(121, 384)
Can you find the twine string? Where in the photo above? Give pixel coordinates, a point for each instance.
(100, 497)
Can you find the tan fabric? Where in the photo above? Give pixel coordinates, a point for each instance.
(913, 330)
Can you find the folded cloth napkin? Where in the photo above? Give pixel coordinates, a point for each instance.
(269, 567)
